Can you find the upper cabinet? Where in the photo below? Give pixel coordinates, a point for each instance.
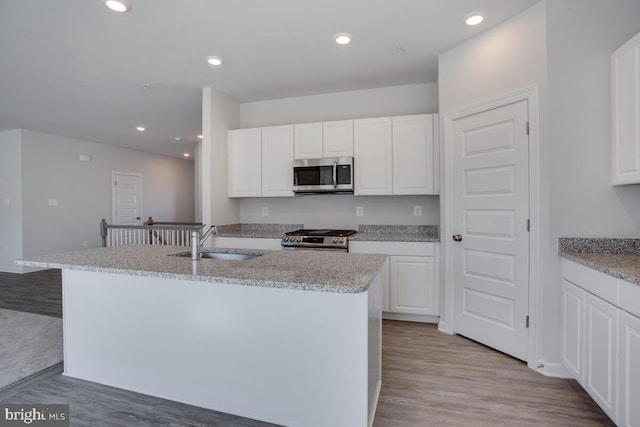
(328, 139)
(260, 162)
(625, 102)
(372, 157)
(396, 155)
(245, 162)
(414, 155)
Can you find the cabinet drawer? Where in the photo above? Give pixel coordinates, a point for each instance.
(630, 297)
(593, 281)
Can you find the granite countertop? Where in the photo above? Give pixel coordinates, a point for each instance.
(259, 231)
(617, 257)
(397, 233)
(300, 270)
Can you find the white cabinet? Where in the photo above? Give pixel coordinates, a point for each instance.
(245, 163)
(260, 162)
(410, 285)
(337, 138)
(572, 329)
(600, 339)
(625, 103)
(328, 139)
(396, 155)
(277, 160)
(629, 397)
(308, 141)
(372, 151)
(414, 155)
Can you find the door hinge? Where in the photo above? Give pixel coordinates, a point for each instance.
(527, 321)
(526, 128)
(528, 225)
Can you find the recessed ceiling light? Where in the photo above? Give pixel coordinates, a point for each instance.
(342, 38)
(117, 5)
(177, 138)
(216, 61)
(473, 18)
(141, 128)
(185, 154)
(199, 136)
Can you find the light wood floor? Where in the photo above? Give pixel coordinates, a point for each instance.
(429, 379)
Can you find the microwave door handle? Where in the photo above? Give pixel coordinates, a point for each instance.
(335, 174)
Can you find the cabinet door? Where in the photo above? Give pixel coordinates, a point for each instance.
(245, 162)
(601, 336)
(412, 287)
(572, 340)
(413, 155)
(308, 141)
(372, 157)
(625, 103)
(277, 161)
(629, 414)
(338, 138)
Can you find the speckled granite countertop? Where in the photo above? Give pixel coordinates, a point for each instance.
(617, 257)
(260, 231)
(397, 233)
(301, 270)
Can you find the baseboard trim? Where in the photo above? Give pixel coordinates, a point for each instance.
(30, 380)
(423, 318)
(553, 369)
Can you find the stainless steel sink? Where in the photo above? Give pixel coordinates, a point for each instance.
(229, 256)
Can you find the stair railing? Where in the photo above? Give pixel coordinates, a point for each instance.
(151, 233)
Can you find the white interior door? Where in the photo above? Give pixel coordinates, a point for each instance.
(127, 198)
(491, 238)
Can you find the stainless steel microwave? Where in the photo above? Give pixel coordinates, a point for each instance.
(328, 175)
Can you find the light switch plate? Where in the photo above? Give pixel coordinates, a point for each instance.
(53, 202)
(265, 211)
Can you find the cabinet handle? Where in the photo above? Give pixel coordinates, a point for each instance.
(457, 238)
(335, 174)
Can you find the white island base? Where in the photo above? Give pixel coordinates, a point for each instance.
(285, 356)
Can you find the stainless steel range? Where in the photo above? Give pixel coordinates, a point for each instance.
(318, 240)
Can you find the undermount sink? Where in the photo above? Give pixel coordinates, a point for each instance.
(229, 256)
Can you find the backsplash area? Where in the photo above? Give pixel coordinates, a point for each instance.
(339, 211)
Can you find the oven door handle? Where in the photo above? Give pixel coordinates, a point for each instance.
(335, 174)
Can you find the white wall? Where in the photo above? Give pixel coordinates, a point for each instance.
(358, 104)
(51, 170)
(581, 36)
(338, 211)
(507, 58)
(220, 113)
(10, 199)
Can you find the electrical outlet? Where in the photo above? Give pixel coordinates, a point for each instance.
(53, 202)
(85, 244)
(417, 211)
(359, 211)
(265, 211)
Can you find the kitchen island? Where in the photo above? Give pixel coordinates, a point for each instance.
(292, 338)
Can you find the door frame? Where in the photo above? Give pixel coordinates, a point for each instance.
(531, 95)
(113, 193)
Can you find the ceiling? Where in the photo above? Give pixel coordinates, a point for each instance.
(74, 68)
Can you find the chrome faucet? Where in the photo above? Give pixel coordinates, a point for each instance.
(197, 241)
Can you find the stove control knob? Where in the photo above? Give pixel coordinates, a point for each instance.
(299, 239)
(342, 240)
(335, 240)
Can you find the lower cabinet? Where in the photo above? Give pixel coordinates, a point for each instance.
(410, 286)
(629, 342)
(601, 340)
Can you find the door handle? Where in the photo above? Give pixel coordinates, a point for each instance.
(457, 237)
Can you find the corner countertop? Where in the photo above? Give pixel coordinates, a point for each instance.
(616, 257)
(397, 233)
(299, 270)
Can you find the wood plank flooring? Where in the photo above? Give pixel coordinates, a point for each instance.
(38, 292)
(429, 379)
